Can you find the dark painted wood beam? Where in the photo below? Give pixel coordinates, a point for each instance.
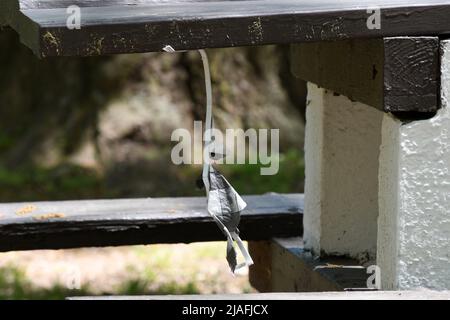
(71, 224)
(411, 74)
(282, 265)
(348, 295)
(394, 74)
(128, 26)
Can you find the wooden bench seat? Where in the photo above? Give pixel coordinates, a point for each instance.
(348, 295)
(70, 224)
(371, 177)
(126, 26)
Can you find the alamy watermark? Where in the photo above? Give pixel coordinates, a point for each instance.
(374, 280)
(236, 146)
(374, 20)
(73, 21)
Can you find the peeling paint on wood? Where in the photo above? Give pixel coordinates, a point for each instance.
(47, 216)
(25, 210)
(392, 74)
(149, 25)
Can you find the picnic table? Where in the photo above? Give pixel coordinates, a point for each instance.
(376, 149)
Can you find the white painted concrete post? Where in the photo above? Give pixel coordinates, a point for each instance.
(414, 197)
(341, 175)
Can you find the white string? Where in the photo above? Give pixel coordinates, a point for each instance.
(208, 127)
(243, 249)
(208, 121)
(206, 162)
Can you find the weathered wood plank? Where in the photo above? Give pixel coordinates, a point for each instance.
(70, 224)
(350, 295)
(128, 26)
(411, 74)
(286, 267)
(393, 74)
(353, 68)
(260, 273)
(52, 4)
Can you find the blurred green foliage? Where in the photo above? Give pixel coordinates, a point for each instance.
(65, 182)
(247, 179)
(57, 183)
(14, 285)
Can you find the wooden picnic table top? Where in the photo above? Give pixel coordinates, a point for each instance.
(130, 26)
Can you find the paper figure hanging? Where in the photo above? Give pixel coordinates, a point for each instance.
(224, 204)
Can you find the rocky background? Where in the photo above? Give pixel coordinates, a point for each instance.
(100, 127)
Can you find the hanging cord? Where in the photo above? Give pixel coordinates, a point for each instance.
(208, 120)
(231, 236)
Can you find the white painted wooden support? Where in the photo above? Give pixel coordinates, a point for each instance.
(341, 171)
(362, 164)
(414, 197)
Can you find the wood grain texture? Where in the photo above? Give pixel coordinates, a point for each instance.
(411, 74)
(287, 267)
(128, 26)
(71, 224)
(393, 74)
(353, 68)
(349, 295)
(260, 273)
(52, 4)
(294, 269)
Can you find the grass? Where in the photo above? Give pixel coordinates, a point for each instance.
(139, 286)
(14, 285)
(137, 270)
